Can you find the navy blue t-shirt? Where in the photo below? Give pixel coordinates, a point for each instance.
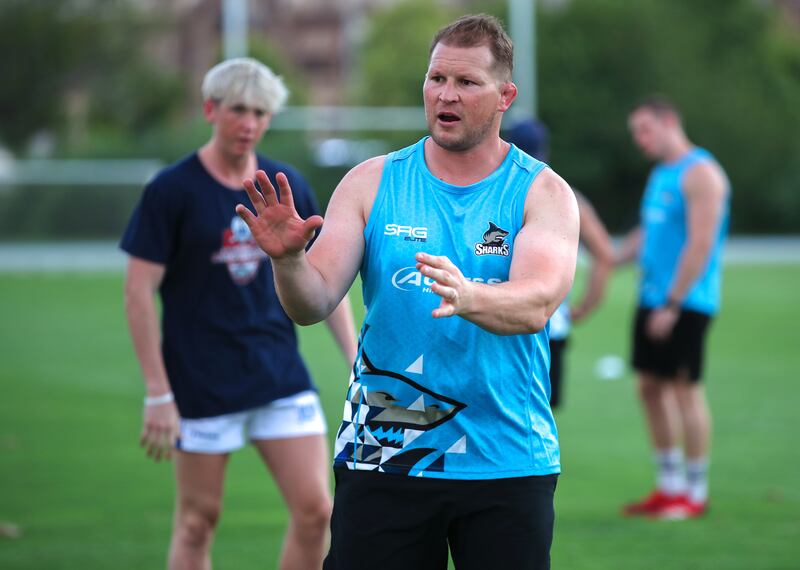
(227, 343)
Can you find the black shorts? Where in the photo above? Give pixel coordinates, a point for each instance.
(388, 521)
(557, 348)
(681, 353)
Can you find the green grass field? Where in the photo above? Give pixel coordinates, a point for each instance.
(74, 481)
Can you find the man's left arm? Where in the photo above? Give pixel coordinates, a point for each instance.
(542, 267)
(704, 189)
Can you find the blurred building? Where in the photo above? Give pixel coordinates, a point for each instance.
(790, 10)
(318, 37)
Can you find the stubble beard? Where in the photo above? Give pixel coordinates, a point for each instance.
(469, 140)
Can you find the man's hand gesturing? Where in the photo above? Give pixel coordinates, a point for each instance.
(276, 226)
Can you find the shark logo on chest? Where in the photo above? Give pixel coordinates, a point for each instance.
(494, 242)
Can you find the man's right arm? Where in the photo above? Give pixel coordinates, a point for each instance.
(628, 251)
(595, 239)
(160, 427)
(311, 285)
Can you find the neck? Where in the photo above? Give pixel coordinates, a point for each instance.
(462, 168)
(678, 149)
(229, 170)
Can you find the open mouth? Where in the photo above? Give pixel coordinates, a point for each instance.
(446, 117)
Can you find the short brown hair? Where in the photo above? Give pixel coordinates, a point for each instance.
(477, 30)
(658, 104)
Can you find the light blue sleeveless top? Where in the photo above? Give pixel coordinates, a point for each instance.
(664, 225)
(444, 398)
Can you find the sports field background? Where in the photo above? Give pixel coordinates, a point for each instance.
(75, 483)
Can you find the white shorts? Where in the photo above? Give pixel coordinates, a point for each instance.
(294, 416)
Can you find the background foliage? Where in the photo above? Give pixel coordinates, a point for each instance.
(732, 66)
(55, 51)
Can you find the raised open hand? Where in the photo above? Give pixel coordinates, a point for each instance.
(276, 226)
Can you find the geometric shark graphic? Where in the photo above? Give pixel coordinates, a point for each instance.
(460, 446)
(384, 413)
(397, 402)
(416, 366)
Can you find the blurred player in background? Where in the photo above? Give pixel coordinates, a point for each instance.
(465, 246)
(684, 221)
(532, 136)
(225, 368)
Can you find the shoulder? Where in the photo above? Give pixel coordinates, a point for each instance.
(525, 161)
(357, 190)
(705, 176)
(548, 186)
(180, 171)
(170, 182)
(407, 152)
(366, 174)
(549, 196)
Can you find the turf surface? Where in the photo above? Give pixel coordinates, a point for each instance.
(76, 485)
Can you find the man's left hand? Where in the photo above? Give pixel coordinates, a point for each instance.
(449, 283)
(661, 323)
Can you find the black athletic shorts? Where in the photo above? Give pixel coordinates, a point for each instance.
(387, 521)
(681, 353)
(557, 348)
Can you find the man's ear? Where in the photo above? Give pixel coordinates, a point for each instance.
(209, 110)
(508, 92)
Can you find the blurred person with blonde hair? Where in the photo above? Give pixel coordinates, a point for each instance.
(678, 243)
(225, 367)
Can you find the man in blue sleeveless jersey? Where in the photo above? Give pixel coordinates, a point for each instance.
(226, 368)
(465, 246)
(684, 220)
(532, 136)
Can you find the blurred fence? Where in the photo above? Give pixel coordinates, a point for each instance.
(91, 199)
(105, 256)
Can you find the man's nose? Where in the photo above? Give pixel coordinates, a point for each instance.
(250, 121)
(448, 93)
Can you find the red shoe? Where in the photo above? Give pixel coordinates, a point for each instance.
(683, 510)
(653, 504)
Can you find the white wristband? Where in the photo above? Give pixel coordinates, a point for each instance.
(158, 400)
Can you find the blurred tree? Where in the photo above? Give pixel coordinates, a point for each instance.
(727, 64)
(78, 59)
(395, 53)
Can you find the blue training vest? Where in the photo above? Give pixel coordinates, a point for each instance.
(664, 225)
(444, 398)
